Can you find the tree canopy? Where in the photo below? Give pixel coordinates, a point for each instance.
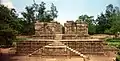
(106, 23)
(109, 21)
(44, 15)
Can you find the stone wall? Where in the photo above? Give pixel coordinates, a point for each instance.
(92, 47)
(73, 35)
(27, 47)
(70, 27)
(86, 47)
(71, 30)
(47, 28)
(75, 28)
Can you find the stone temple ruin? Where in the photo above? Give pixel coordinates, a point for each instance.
(53, 39)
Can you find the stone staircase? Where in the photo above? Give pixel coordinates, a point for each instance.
(58, 37)
(57, 44)
(77, 52)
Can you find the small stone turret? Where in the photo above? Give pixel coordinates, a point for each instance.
(48, 28)
(76, 28)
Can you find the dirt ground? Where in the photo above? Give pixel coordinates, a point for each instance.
(6, 57)
(93, 58)
(24, 58)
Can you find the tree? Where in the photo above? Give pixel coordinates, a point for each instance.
(108, 22)
(29, 17)
(13, 13)
(44, 15)
(5, 15)
(53, 11)
(48, 16)
(37, 12)
(7, 32)
(116, 23)
(41, 12)
(29, 14)
(102, 24)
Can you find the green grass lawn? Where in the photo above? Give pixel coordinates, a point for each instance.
(116, 43)
(113, 42)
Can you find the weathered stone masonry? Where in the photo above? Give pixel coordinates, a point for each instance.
(73, 35)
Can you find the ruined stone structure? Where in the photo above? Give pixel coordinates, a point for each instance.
(76, 28)
(54, 39)
(47, 28)
(84, 46)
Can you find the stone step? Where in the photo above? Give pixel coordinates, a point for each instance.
(58, 36)
(76, 52)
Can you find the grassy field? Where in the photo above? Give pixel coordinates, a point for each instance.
(116, 43)
(113, 42)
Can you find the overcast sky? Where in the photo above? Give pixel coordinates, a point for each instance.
(67, 9)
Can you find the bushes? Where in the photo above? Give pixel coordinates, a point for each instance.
(113, 40)
(7, 37)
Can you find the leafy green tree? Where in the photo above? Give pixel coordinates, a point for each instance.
(7, 32)
(37, 12)
(108, 22)
(102, 23)
(44, 15)
(115, 25)
(91, 28)
(7, 18)
(85, 18)
(5, 15)
(48, 16)
(29, 19)
(53, 11)
(29, 14)
(41, 12)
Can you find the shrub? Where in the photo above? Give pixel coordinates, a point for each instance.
(7, 37)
